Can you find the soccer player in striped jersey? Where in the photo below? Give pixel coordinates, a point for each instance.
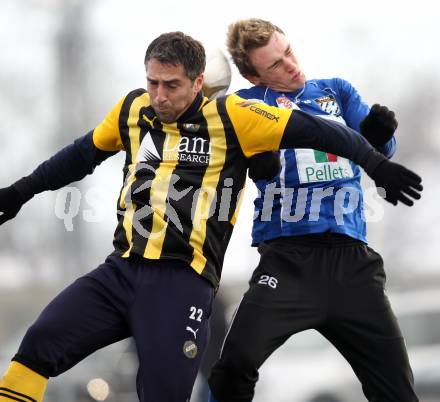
(186, 161)
(316, 269)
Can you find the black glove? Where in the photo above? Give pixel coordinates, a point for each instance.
(379, 125)
(10, 203)
(265, 166)
(399, 183)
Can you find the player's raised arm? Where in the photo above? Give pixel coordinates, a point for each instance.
(261, 128)
(70, 164)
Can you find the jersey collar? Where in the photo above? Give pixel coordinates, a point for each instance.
(192, 109)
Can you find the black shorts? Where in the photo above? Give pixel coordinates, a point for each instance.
(333, 284)
(163, 304)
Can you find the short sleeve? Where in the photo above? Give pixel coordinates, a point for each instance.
(258, 127)
(107, 136)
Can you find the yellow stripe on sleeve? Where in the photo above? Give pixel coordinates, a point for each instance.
(259, 127)
(20, 383)
(107, 136)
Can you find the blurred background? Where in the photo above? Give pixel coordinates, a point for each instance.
(65, 63)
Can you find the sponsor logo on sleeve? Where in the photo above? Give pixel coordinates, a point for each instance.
(248, 102)
(251, 104)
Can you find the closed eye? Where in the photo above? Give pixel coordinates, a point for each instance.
(275, 65)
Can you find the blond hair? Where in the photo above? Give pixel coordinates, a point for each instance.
(246, 35)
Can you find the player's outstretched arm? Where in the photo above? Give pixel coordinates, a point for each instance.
(68, 165)
(378, 127)
(398, 182)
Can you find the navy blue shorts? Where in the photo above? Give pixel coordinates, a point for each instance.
(163, 304)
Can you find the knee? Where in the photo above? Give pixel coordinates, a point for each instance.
(233, 377)
(36, 332)
(236, 363)
(37, 351)
(38, 339)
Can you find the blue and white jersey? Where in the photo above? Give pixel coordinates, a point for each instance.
(315, 191)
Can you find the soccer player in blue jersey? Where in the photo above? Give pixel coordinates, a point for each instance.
(185, 166)
(316, 269)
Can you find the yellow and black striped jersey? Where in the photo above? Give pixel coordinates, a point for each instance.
(183, 180)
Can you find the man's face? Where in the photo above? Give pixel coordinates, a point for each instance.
(277, 65)
(170, 89)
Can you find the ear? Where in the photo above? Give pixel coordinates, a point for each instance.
(253, 79)
(198, 82)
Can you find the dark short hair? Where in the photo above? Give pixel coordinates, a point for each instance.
(177, 48)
